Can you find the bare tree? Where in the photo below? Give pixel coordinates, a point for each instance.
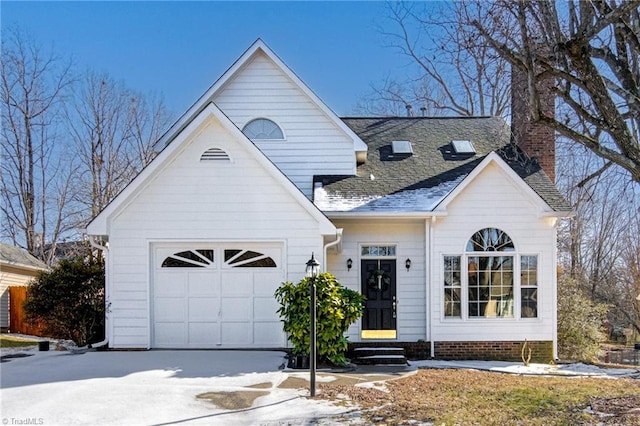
(113, 129)
(591, 52)
(456, 72)
(599, 247)
(36, 173)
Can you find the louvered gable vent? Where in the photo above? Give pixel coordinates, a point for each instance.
(215, 154)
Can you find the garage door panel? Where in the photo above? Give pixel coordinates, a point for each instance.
(204, 284)
(237, 308)
(170, 309)
(268, 334)
(264, 308)
(266, 283)
(236, 283)
(204, 309)
(170, 284)
(236, 333)
(170, 334)
(203, 334)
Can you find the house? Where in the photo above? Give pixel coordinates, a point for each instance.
(17, 268)
(446, 226)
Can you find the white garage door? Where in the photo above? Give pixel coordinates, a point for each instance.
(217, 296)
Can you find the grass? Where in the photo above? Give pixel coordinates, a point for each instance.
(15, 342)
(464, 397)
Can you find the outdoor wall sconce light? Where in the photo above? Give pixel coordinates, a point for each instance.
(407, 264)
(349, 264)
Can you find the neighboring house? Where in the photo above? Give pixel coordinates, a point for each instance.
(17, 268)
(447, 227)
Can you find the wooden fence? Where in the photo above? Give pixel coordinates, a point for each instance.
(17, 317)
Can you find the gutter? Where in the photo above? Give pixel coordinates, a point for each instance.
(331, 244)
(383, 215)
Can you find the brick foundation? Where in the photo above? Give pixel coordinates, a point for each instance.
(412, 350)
(541, 351)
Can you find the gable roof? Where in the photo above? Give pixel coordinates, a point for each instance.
(420, 181)
(258, 47)
(15, 256)
(99, 225)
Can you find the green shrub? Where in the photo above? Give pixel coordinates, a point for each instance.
(580, 323)
(69, 301)
(337, 308)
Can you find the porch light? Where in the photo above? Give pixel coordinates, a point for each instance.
(312, 271)
(349, 264)
(407, 264)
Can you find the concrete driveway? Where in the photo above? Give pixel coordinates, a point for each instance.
(156, 388)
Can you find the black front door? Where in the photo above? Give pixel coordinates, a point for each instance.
(379, 286)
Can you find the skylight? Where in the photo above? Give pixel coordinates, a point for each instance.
(401, 147)
(463, 147)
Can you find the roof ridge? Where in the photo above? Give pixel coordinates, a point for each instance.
(431, 117)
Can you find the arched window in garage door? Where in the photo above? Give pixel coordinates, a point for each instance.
(248, 259)
(199, 258)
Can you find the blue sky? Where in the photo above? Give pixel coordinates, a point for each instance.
(179, 49)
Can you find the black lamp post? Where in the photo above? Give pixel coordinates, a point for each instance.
(312, 271)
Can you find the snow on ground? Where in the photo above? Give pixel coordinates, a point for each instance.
(160, 387)
(151, 388)
(564, 370)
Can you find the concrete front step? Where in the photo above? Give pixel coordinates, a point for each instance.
(379, 356)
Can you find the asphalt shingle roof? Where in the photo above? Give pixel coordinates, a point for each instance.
(12, 255)
(417, 182)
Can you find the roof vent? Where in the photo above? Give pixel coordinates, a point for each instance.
(463, 147)
(401, 147)
(215, 154)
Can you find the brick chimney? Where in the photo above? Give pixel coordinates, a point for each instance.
(535, 139)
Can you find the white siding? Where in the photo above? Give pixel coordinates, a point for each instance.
(193, 201)
(410, 241)
(492, 200)
(313, 143)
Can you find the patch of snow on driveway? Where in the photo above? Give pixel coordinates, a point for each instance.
(151, 388)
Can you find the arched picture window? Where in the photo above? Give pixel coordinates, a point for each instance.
(490, 276)
(262, 128)
(490, 239)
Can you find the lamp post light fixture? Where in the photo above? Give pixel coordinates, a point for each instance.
(312, 272)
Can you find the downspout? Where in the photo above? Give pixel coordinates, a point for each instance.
(555, 289)
(331, 244)
(429, 256)
(105, 250)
